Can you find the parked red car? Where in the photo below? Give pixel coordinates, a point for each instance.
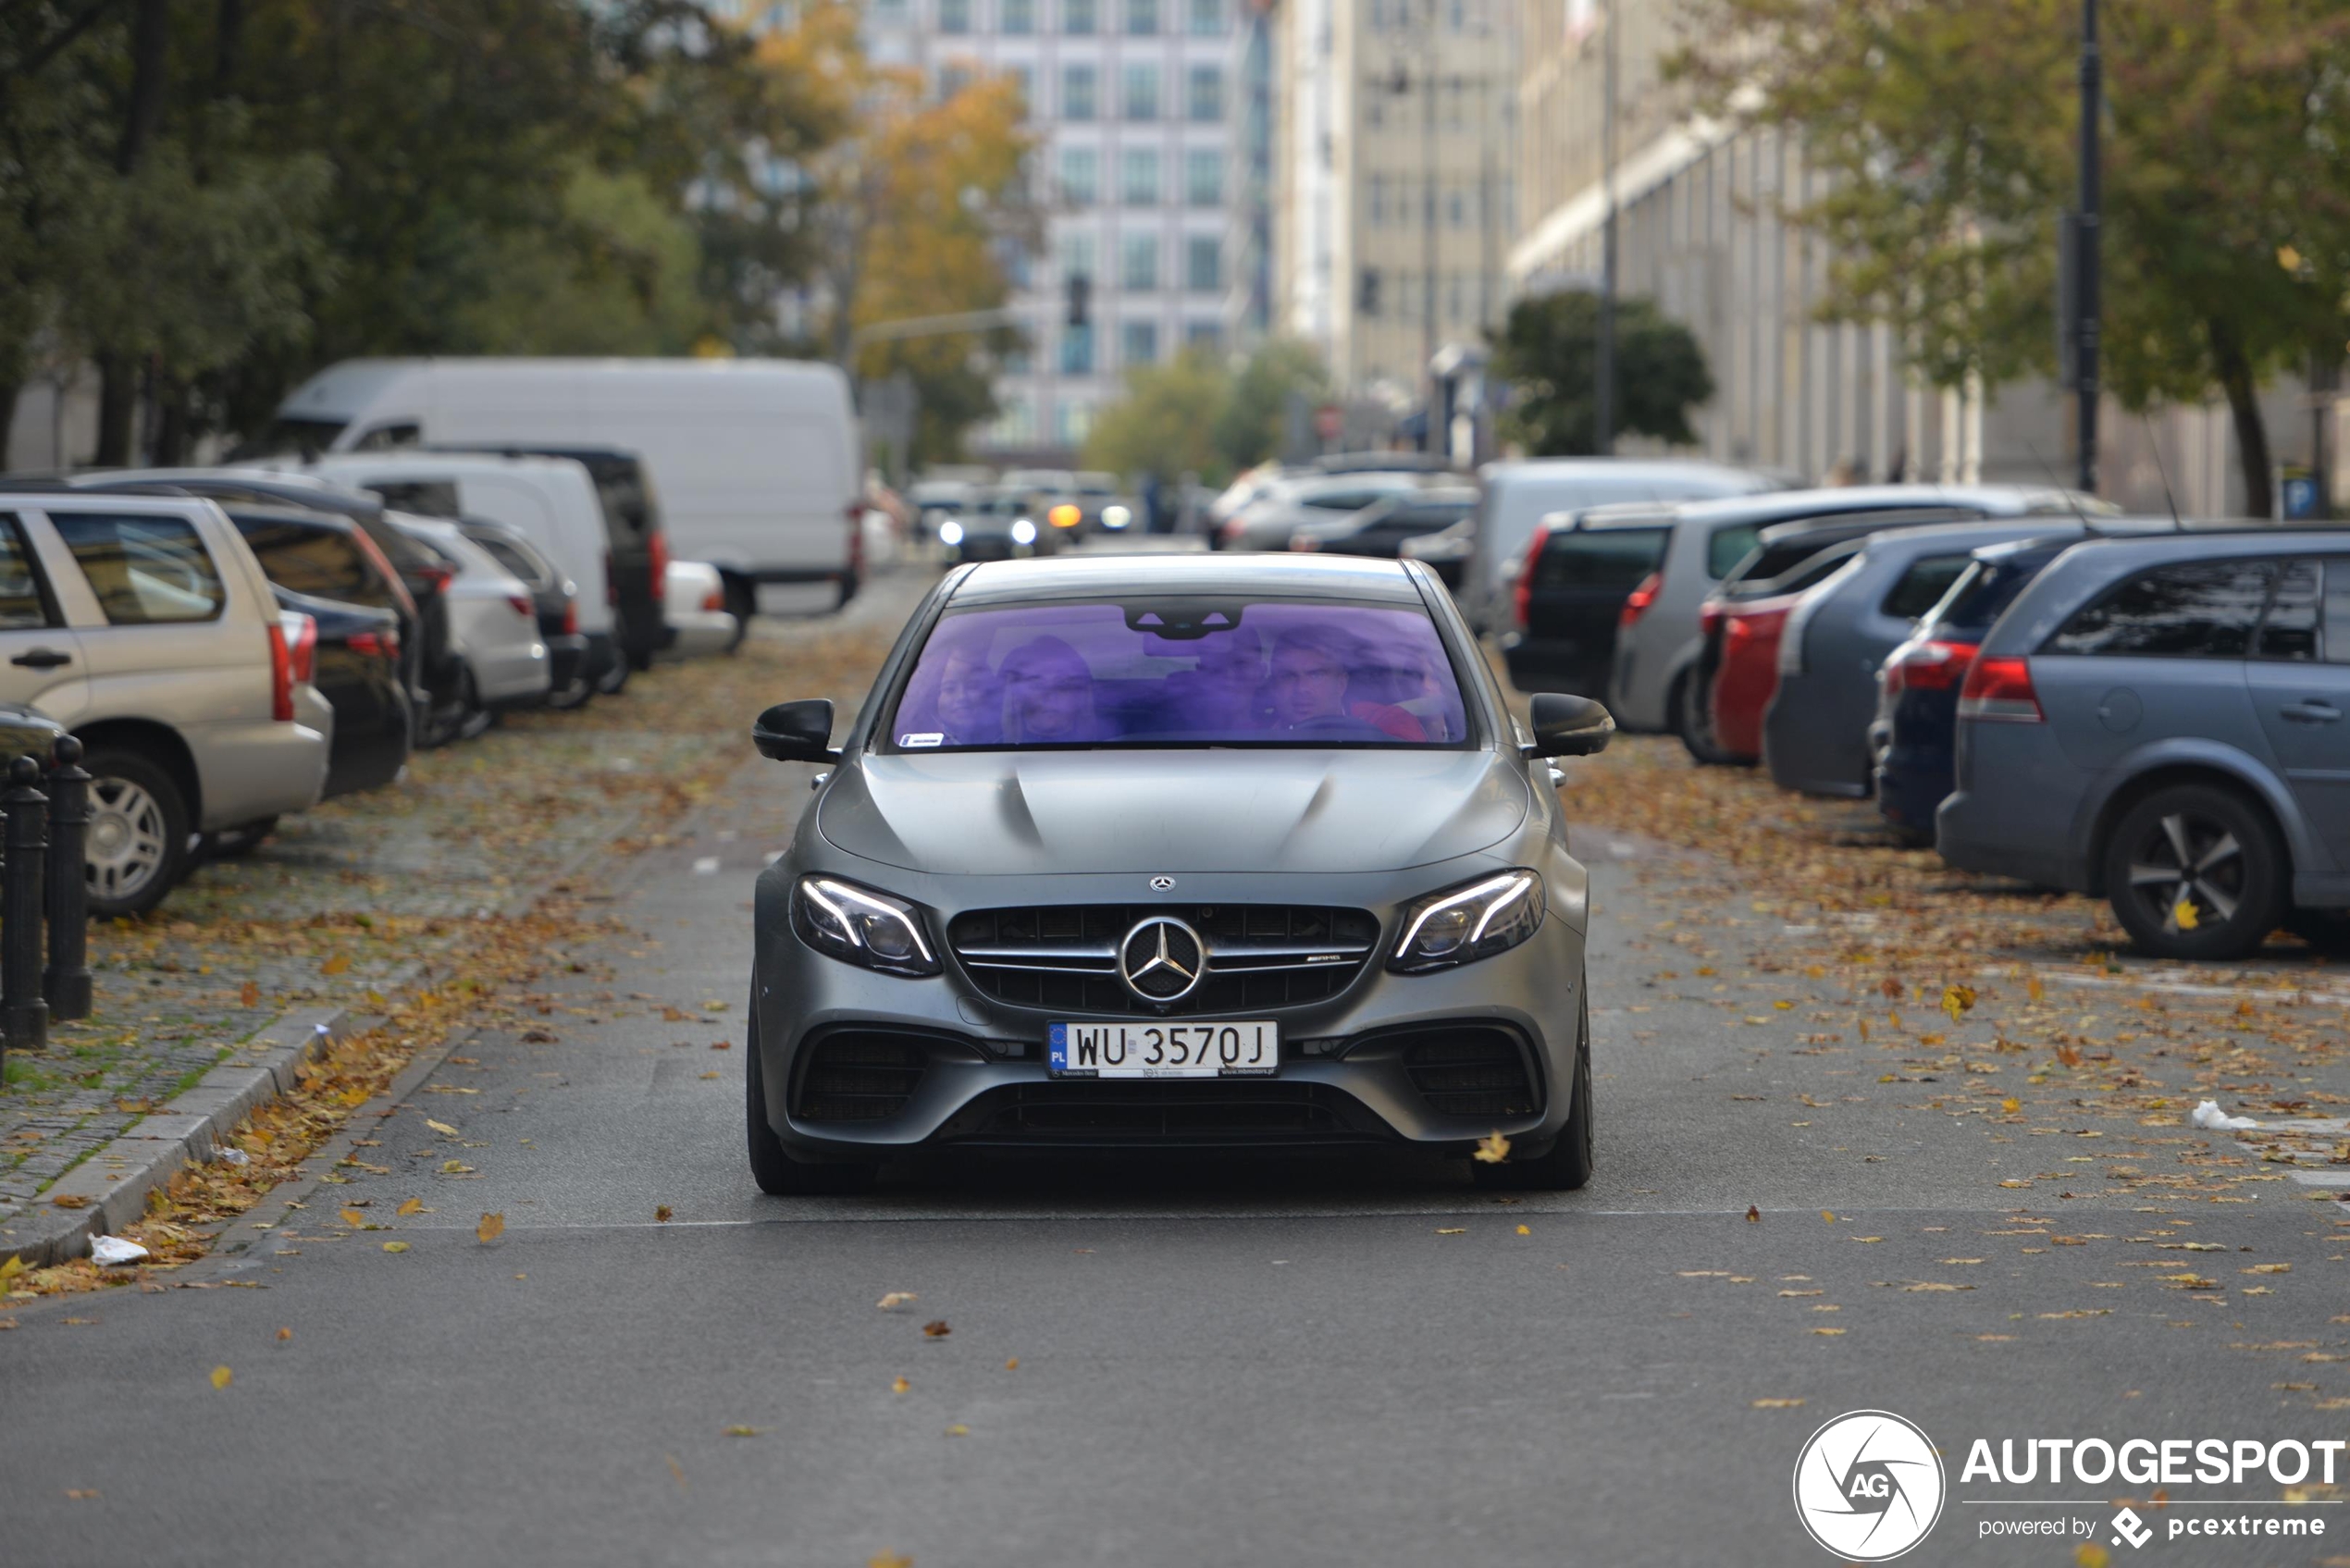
(1738, 671)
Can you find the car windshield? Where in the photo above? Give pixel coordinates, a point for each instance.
(305, 438)
(1180, 672)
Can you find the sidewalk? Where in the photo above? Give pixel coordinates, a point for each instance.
(347, 903)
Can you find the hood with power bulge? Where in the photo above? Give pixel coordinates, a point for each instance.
(1042, 812)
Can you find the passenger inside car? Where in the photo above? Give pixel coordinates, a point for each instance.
(1048, 696)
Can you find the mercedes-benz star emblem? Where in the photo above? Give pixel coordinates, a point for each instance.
(1162, 885)
(1161, 960)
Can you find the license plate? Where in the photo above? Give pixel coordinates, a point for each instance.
(1164, 1050)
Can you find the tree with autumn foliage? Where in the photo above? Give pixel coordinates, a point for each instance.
(1949, 130)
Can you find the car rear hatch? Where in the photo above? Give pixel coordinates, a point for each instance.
(1573, 586)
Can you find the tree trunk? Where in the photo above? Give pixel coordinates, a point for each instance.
(117, 394)
(170, 441)
(10, 392)
(2243, 405)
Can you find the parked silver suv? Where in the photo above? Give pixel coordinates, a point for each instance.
(144, 624)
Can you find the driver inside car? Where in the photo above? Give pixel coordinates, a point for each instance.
(1311, 675)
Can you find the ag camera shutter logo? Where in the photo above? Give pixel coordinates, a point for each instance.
(1869, 1485)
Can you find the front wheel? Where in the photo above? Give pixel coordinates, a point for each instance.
(1568, 1164)
(137, 845)
(773, 1165)
(2196, 871)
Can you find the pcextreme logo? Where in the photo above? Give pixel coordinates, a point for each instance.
(1869, 1485)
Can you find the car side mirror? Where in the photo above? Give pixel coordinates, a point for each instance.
(1569, 726)
(795, 732)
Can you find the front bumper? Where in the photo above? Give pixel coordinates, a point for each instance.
(1353, 1068)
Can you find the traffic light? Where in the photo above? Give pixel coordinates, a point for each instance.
(1081, 295)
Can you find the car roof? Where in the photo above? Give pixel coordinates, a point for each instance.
(1783, 506)
(2215, 540)
(1272, 574)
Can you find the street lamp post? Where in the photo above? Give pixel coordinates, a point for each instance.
(2085, 258)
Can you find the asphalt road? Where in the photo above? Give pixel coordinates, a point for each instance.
(1218, 1361)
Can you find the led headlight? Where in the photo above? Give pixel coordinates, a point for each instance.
(950, 533)
(1462, 924)
(1023, 531)
(861, 926)
(1116, 516)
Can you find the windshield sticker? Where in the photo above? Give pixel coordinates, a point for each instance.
(933, 738)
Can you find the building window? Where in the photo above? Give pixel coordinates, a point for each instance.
(1077, 350)
(1138, 260)
(1024, 83)
(890, 13)
(1079, 90)
(1138, 177)
(1020, 17)
(1378, 201)
(1459, 204)
(1366, 292)
(1080, 176)
(1072, 423)
(1203, 264)
(1203, 177)
(953, 16)
(1078, 18)
(1204, 98)
(1207, 18)
(1205, 337)
(1138, 343)
(1142, 17)
(1141, 92)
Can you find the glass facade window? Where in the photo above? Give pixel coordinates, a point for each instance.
(1142, 17)
(1080, 18)
(1020, 17)
(1072, 423)
(1081, 88)
(953, 16)
(1204, 96)
(1138, 177)
(1207, 18)
(1203, 264)
(1208, 336)
(1138, 260)
(1203, 177)
(1024, 81)
(1141, 93)
(1138, 343)
(1076, 350)
(1080, 176)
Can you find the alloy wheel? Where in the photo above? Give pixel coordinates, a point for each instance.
(2188, 872)
(126, 845)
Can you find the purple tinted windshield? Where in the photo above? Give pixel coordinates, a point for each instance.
(1181, 672)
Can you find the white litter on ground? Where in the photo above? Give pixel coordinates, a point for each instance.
(706, 866)
(113, 1251)
(232, 1156)
(2208, 1115)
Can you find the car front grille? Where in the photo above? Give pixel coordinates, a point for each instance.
(1063, 957)
(858, 1075)
(1165, 1112)
(1471, 1070)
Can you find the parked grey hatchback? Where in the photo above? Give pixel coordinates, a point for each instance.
(2160, 720)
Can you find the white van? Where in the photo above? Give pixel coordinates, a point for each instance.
(548, 501)
(755, 460)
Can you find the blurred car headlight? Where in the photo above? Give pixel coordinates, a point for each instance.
(1462, 924)
(1023, 531)
(1116, 517)
(860, 926)
(1066, 515)
(950, 533)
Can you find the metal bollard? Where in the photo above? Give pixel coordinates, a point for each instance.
(66, 983)
(24, 1017)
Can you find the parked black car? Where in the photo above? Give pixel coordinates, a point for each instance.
(637, 563)
(556, 597)
(355, 663)
(1571, 592)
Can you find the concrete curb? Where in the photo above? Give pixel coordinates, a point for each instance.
(113, 1184)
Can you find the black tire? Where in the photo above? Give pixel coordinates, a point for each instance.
(772, 1164)
(575, 696)
(235, 844)
(742, 603)
(1693, 720)
(614, 681)
(2202, 845)
(1568, 1164)
(138, 847)
(474, 720)
(640, 660)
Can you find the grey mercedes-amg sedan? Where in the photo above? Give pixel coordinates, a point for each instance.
(1165, 851)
